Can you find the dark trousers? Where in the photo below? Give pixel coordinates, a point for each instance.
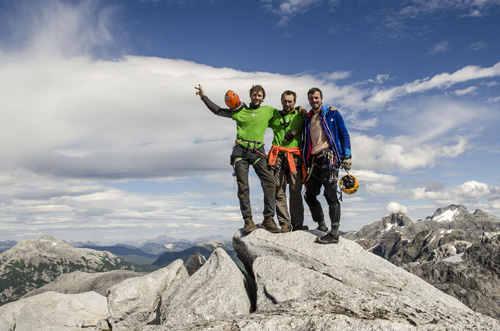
(285, 178)
(241, 159)
(323, 175)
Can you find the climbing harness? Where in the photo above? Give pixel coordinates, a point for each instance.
(248, 145)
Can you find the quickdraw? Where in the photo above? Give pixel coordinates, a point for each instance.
(329, 155)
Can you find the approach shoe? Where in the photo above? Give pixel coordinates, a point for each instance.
(300, 228)
(249, 226)
(328, 239)
(286, 228)
(270, 225)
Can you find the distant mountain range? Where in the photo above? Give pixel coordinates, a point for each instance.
(144, 251)
(31, 264)
(5, 245)
(454, 250)
(205, 249)
(138, 256)
(156, 246)
(133, 254)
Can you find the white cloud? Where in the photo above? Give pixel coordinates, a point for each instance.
(58, 28)
(468, 90)
(78, 127)
(410, 19)
(67, 208)
(338, 75)
(382, 78)
(440, 47)
(379, 188)
(394, 207)
(376, 183)
(475, 13)
(426, 120)
(474, 189)
(287, 9)
(470, 192)
(364, 124)
(387, 154)
(478, 45)
(369, 176)
(440, 81)
(416, 8)
(395, 15)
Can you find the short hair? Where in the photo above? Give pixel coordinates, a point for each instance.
(258, 88)
(314, 90)
(288, 92)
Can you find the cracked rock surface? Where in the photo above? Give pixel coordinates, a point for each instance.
(290, 283)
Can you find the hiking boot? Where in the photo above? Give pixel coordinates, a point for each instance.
(286, 228)
(300, 228)
(270, 225)
(328, 239)
(249, 226)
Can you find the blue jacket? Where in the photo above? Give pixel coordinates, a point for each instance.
(335, 131)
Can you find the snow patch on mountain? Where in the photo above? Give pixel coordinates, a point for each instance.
(446, 216)
(457, 258)
(390, 226)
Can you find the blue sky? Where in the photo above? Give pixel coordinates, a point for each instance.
(105, 140)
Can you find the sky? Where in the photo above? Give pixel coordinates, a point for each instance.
(104, 140)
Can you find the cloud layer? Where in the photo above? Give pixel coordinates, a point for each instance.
(120, 148)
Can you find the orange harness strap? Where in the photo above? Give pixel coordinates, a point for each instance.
(289, 152)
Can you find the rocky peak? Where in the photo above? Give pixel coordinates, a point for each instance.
(392, 228)
(390, 234)
(31, 264)
(31, 249)
(478, 213)
(449, 214)
(48, 248)
(399, 219)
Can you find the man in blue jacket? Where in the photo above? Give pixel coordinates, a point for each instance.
(326, 148)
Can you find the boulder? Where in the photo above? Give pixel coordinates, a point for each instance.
(54, 311)
(135, 301)
(81, 282)
(278, 281)
(351, 285)
(218, 290)
(194, 262)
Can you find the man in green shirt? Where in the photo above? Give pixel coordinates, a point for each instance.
(251, 124)
(285, 158)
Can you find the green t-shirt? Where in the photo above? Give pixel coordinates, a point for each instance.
(251, 124)
(282, 123)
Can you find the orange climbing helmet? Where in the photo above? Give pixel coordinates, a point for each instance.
(232, 100)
